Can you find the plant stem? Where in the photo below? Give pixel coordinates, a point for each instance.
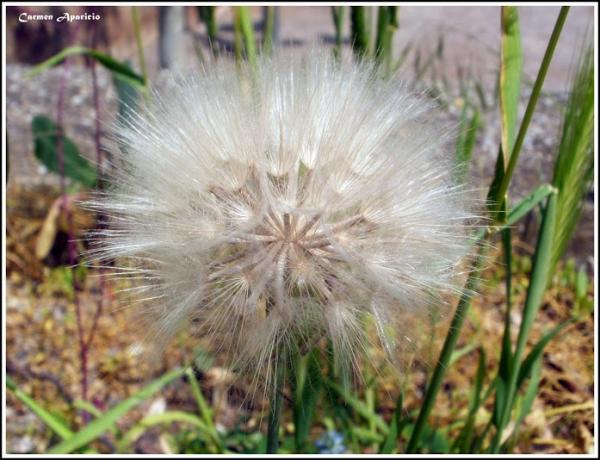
(138, 40)
(269, 28)
(359, 32)
(444, 359)
(276, 404)
(535, 93)
(338, 22)
(100, 222)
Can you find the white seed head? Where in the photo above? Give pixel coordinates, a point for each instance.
(275, 208)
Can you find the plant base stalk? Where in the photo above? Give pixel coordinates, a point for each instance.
(276, 406)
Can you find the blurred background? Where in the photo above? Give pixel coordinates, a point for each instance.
(450, 52)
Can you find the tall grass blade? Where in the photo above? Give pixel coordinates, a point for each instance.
(511, 66)
(208, 17)
(244, 32)
(442, 365)
(533, 98)
(100, 425)
(269, 29)
(574, 166)
(537, 285)
(118, 69)
(51, 421)
(359, 32)
(387, 23)
(338, 12)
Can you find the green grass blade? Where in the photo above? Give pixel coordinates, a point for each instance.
(387, 23)
(338, 13)
(574, 166)
(510, 75)
(306, 395)
(442, 365)
(359, 406)
(117, 68)
(465, 437)
(165, 418)
(269, 29)
(506, 355)
(526, 403)
(528, 203)
(493, 201)
(99, 426)
(537, 351)
(466, 141)
(207, 16)
(204, 409)
(533, 98)
(391, 440)
(52, 422)
(88, 407)
(359, 31)
(244, 30)
(537, 285)
(138, 41)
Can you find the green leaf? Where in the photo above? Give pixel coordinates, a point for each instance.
(359, 32)
(465, 437)
(337, 13)
(244, 32)
(391, 440)
(118, 69)
(526, 403)
(493, 199)
(45, 136)
(387, 23)
(510, 75)
(306, 395)
(165, 418)
(99, 426)
(513, 155)
(464, 148)
(536, 352)
(51, 421)
(528, 203)
(535, 292)
(127, 96)
(360, 407)
(204, 409)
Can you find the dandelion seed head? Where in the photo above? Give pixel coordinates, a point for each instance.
(280, 207)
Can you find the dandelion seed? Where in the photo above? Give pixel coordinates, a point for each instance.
(278, 210)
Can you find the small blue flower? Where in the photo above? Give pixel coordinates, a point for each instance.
(332, 442)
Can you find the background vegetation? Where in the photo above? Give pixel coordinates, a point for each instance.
(492, 378)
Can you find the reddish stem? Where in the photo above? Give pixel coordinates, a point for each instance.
(71, 246)
(99, 166)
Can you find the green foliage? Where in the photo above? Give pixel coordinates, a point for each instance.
(50, 420)
(510, 75)
(118, 69)
(207, 15)
(100, 425)
(387, 23)
(467, 133)
(245, 43)
(574, 166)
(359, 31)
(306, 394)
(46, 137)
(338, 13)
